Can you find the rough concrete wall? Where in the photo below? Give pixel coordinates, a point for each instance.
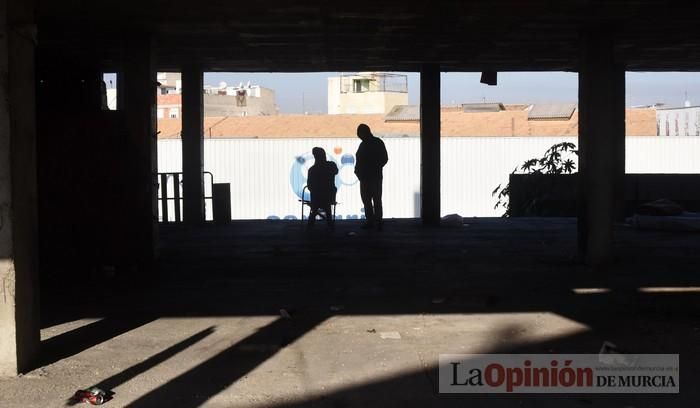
(268, 106)
(225, 105)
(8, 355)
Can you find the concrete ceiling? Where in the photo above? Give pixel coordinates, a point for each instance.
(318, 35)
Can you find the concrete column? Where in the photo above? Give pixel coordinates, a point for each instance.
(139, 77)
(601, 145)
(192, 144)
(19, 293)
(430, 143)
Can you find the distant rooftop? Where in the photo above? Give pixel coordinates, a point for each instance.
(639, 122)
(677, 107)
(401, 113)
(483, 107)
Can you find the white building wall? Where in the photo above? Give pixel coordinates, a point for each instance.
(678, 122)
(170, 79)
(262, 171)
(369, 102)
(392, 99)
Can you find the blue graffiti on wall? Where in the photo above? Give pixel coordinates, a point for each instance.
(345, 177)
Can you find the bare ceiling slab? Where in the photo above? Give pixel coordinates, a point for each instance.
(316, 35)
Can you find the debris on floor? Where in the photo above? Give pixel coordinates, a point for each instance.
(439, 300)
(337, 308)
(390, 335)
(371, 330)
(285, 314)
(92, 395)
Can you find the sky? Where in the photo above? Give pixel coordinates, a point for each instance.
(307, 92)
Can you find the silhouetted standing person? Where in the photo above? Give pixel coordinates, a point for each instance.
(371, 157)
(321, 183)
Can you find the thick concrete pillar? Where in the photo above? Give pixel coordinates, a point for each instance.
(192, 144)
(139, 77)
(19, 290)
(430, 143)
(601, 145)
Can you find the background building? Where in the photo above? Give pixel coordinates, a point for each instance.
(683, 121)
(169, 83)
(241, 100)
(366, 92)
(169, 106)
(222, 100)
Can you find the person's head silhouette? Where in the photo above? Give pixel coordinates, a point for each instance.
(319, 154)
(363, 132)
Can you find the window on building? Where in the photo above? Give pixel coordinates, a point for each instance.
(360, 85)
(174, 113)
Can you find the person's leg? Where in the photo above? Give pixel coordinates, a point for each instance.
(378, 208)
(366, 195)
(329, 215)
(312, 214)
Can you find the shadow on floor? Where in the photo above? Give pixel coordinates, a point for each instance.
(73, 342)
(194, 387)
(254, 269)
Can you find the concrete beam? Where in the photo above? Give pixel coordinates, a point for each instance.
(192, 144)
(19, 293)
(139, 77)
(430, 143)
(601, 145)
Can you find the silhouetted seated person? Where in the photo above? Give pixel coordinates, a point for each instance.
(321, 183)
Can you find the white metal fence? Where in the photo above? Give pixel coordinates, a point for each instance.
(267, 174)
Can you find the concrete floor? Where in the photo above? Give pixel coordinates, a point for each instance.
(208, 330)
